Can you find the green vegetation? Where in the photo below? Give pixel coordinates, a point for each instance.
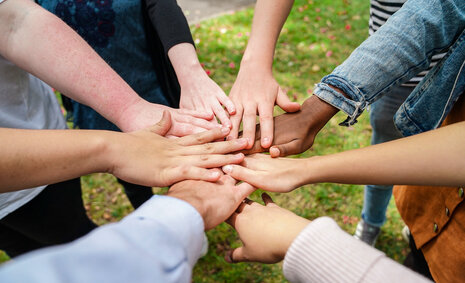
(317, 37)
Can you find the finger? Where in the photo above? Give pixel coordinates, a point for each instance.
(265, 112)
(196, 113)
(224, 100)
(188, 172)
(256, 161)
(215, 148)
(163, 126)
(285, 103)
(292, 147)
(249, 123)
(183, 129)
(236, 123)
(203, 123)
(227, 180)
(245, 190)
(212, 160)
(204, 137)
(236, 255)
(252, 177)
(221, 114)
(267, 199)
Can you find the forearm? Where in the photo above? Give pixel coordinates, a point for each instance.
(185, 63)
(43, 45)
(156, 243)
(398, 51)
(432, 158)
(269, 18)
(38, 157)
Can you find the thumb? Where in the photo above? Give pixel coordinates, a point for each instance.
(163, 126)
(236, 255)
(285, 103)
(292, 147)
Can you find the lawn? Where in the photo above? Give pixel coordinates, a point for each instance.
(317, 37)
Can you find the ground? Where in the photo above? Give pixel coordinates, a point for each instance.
(318, 36)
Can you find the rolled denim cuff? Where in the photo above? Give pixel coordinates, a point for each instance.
(352, 107)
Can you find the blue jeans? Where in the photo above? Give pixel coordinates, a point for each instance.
(381, 118)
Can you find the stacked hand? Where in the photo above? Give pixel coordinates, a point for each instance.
(266, 231)
(214, 201)
(256, 92)
(146, 157)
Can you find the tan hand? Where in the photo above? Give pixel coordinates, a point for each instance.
(214, 201)
(266, 231)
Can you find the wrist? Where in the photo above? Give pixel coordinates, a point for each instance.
(105, 148)
(313, 170)
(317, 112)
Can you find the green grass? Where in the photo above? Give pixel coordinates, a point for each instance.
(317, 37)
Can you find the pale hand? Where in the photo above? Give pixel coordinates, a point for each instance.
(147, 158)
(256, 92)
(270, 174)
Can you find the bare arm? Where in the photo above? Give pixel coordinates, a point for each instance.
(43, 45)
(37, 157)
(432, 158)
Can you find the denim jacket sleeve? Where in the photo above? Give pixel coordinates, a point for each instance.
(398, 51)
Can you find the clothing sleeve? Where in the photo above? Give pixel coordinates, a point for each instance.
(170, 23)
(323, 252)
(399, 50)
(159, 242)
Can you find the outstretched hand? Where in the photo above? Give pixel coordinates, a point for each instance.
(147, 158)
(253, 93)
(214, 201)
(266, 231)
(270, 174)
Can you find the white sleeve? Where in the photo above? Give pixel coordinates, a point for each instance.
(323, 252)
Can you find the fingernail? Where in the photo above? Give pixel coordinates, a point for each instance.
(225, 130)
(239, 155)
(265, 140)
(274, 152)
(227, 169)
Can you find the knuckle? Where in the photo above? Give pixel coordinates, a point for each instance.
(209, 148)
(204, 157)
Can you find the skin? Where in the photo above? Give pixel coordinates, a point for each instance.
(295, 132)
(214, 201)
(266, 231)
(37, 157)
(30, 36)
(434, 158)
(198, 91)
(255, 90)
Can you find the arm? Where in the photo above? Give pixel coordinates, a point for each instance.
(416, 160)
(317, 251)
(260, 94)
(198, 91)
(37, 157)
(43, 45)
(161, 241)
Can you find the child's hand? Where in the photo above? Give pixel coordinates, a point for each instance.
(270, 174)
(265, 231)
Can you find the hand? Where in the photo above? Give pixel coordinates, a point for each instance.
(270, 174)
(146, 158)
(256, 92)
(184, 122)
(214, 201)
(198, 91)
(266, 232)
(202, 94)
(295, 132)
